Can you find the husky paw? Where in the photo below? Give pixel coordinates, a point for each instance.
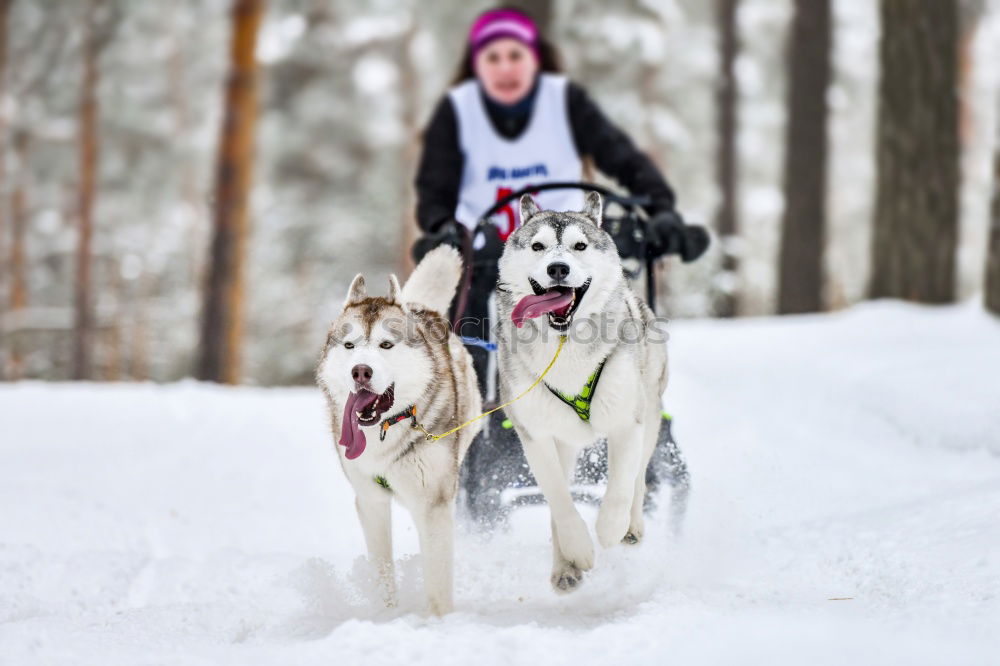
(575, 543)
(612, 524)
(635, 531)
(439, 607)
(566, 578)
(387, 591)
(631, 538)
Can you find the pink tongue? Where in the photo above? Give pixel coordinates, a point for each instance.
(350, 433)
(535, 306)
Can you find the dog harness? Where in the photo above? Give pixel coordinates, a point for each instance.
(581, 401)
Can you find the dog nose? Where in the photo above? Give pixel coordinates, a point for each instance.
(558, 270)
(362, 374)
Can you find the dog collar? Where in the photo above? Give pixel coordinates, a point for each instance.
(581, 401)
(408, 413)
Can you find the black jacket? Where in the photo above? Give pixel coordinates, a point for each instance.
(439, 174)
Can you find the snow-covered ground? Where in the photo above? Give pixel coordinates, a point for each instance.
(853, 456)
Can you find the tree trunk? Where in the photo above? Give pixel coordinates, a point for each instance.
(83, 329)
(18, 258)
(222, 323)
(726, 99)
(139, 352)
(800, 280)
(4, 304)
(970, 16)
(993, 252)
(410, 93)
(916, 208)
(113, 360)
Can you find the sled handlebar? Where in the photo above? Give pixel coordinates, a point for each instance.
(630, 202)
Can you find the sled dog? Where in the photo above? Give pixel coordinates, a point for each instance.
(390, 361)
(560, 275)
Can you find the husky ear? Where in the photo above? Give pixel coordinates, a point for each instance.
(356, 292)
(395, 292)
(593, 207)
(528, 208)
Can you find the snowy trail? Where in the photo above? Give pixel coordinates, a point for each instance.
(854, 455)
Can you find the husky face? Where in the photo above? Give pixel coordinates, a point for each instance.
(369, 352)
(561, 264)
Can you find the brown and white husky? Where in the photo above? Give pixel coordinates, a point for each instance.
(387, 358)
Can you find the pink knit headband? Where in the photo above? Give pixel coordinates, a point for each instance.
(503, 23)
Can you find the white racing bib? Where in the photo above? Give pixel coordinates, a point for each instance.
(495, 167)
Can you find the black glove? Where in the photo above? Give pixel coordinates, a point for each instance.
(486, 244)
(667, 234)
(450, 233)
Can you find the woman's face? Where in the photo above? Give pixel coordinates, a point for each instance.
(506, 68)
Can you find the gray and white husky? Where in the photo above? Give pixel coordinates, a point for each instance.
(386, 357)
(560, 274)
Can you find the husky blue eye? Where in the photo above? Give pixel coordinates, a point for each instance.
(537, 247)
(348, 345)
(386, 345)
(580, 246)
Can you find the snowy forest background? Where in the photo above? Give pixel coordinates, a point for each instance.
(344, 88)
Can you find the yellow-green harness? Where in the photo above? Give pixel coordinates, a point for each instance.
(581, 401)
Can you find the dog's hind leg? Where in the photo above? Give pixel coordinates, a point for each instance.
(636, 522)
(375, 513)
(436, 527)
(566, 576)
(625, 448)
(636, 525)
